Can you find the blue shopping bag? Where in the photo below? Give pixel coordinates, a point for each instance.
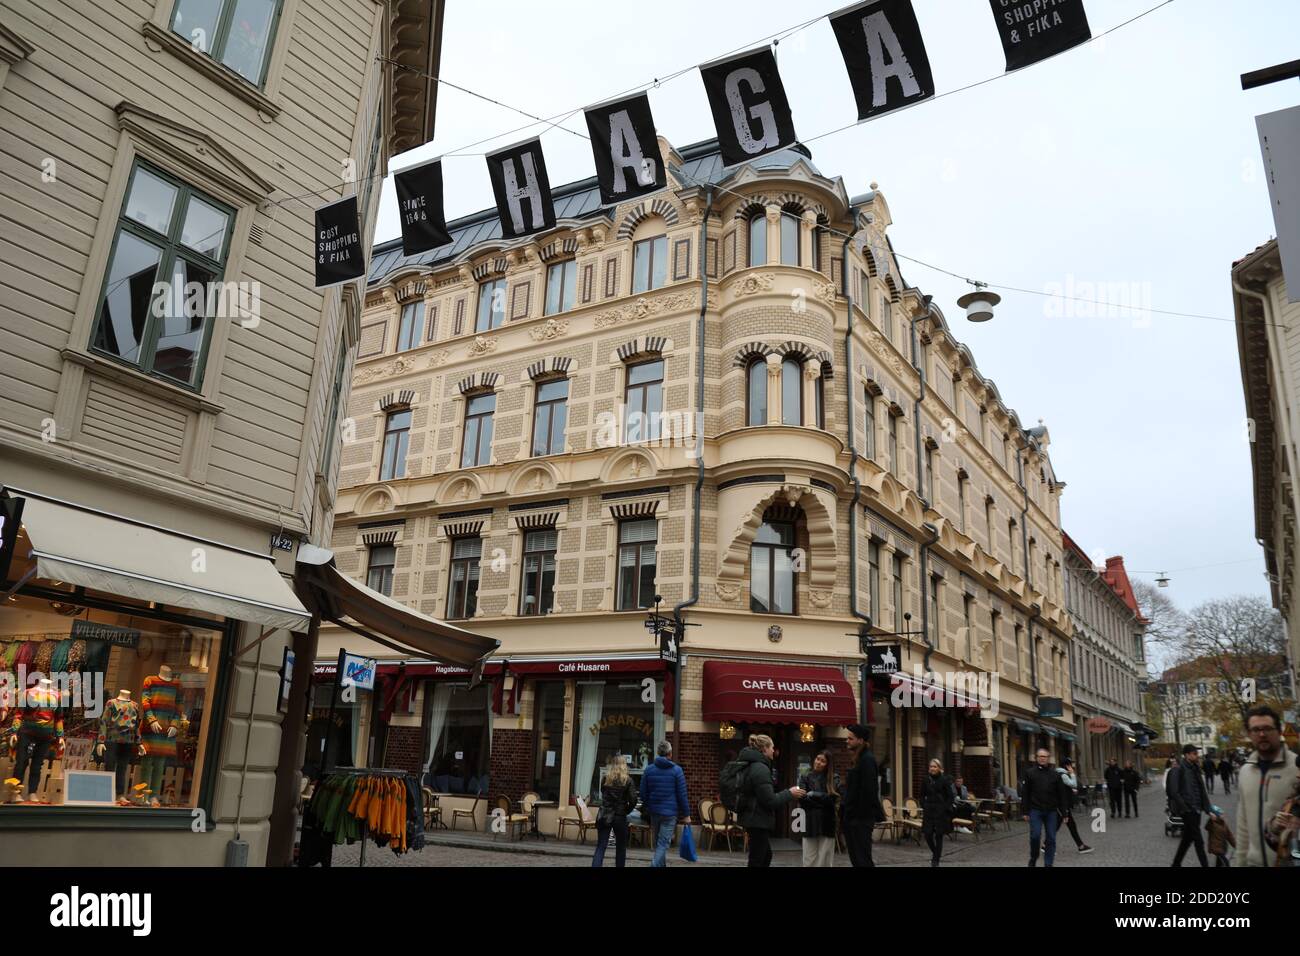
(686, 848)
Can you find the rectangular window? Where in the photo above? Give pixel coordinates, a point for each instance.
(898, 594)
(870, 405)
(397, 434)
(172, 237)
(537, 595)
(548, 755)
(873, 578)
(961, 503)
(236, 33)
(458, 729)
(379, 572)
(929, 477)
(636, 563)
(462, 593)
(549, 417)
(491, 305)
(331, 436)
(561, 284)
(612, 717)
(649, 264)
(886, 318)
(966, 603)
(891, 423)
(643, 401)
(771, 569)
(935, 629)
(988, 526)
(789, 238)
(477, 449)
(410, 326)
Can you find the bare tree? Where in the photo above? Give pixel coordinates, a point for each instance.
(1165, 621)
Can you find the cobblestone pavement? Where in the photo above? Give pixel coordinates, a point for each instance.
(1119, 842)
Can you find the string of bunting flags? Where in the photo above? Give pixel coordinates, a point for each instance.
(888, 69)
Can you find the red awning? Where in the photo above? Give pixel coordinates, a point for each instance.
(776, 694)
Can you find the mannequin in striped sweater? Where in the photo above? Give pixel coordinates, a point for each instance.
(160, 705)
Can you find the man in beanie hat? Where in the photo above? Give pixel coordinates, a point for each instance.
(1188, 799)
(861, 797)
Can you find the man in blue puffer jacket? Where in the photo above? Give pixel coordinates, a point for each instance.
(663, 796)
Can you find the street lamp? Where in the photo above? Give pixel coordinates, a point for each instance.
(979, 304)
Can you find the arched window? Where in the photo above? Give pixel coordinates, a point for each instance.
(758, 238)
(756, 391)
(790, 236)
(791, 392)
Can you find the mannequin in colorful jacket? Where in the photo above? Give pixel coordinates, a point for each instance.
(160, 705)
(36, 731)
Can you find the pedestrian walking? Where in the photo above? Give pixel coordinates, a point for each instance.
(1131, 780)
(1211, 771)
(663, 795)
(617, 799)
(861, 797)
(1218, 837)
(938, 795)
(759, 802)
(820, 804)
(1263, 785)
(1044, 801)
(1225, 773)
(1114, 786)
(1188, 800)
(1071, 782)
(1283, 834)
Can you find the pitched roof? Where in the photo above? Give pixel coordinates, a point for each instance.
(1117, 578)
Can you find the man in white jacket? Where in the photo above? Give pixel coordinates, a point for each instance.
(1264, 783)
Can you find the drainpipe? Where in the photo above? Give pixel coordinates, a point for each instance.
(699, 471)
(930, 646)
(1029, 577)
(846, 288)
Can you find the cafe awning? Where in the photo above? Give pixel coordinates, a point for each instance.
(1026, 726)
(917, 693)
(777, 694)
(120, 556)
(350, 604)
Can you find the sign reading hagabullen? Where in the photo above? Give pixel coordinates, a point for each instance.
(340, 256)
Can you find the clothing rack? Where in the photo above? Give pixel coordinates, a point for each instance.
(368, 772)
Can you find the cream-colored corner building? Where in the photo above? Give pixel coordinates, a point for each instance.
(1268, 339)
(497, 448)
(159, 451)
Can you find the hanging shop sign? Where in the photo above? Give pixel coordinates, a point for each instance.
(108, 633)
(420, 208)
(1050, 707)
(777, 694)
(340, 255)
(11, 518)
(625, 147)
(1099, 725)
(749, 105)
(1279, 141)
(882, 660)
(1032, 30)
(286, 681)
(668, 645)
(357, 671)
(884, 53)
(521, 188)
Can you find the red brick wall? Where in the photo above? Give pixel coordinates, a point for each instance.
(920, 767)
(511, 771)
(404, 749)
(700, 755)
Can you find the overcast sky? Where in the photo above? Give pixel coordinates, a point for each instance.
(1127, 170)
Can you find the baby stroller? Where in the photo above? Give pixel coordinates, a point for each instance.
(1173, 822)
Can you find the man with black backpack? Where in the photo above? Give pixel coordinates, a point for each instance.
(747, 791)
(861, 797)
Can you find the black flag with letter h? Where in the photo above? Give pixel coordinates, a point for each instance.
(626, 149)
(749, 107)
(522, 189)
(884, 52)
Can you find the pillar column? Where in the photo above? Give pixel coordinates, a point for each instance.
(773, 234)
(774, 388)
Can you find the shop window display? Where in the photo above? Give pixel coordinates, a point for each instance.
(549, 724)
(457, 734)
(116, 692)
(613, 718)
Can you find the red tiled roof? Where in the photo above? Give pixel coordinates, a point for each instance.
(1117, 578)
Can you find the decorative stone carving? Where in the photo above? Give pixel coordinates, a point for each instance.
(728, 592)
(820, 597)
(439, 358)
(824, 291)
(395, 367)
(752, 284)
(553, 328)
(482, 346)
(646, 306)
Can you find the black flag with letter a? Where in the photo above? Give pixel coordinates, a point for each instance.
(1034, 31)
(626, 149)
(340, 255)
(749, 107)
(522, 190)
(419, 205)
(882, 47)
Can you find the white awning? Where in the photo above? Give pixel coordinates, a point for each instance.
(107, 553)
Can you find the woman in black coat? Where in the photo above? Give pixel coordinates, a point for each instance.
(937, 797)
(617, 799)
(819, 811)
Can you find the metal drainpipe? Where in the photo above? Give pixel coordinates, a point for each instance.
(699, 471)
(847, 288)
(1029, 578)
(930, 645)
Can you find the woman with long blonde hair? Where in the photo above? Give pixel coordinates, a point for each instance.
(617, 799)
(759, 799)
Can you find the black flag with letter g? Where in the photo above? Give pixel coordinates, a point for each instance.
(882, 47)
(522, 189)
(340, 256)
(419, 205)
(749, 107)
(1034, 31)
(626, 149)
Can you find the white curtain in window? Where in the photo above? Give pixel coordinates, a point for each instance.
(589, 713)
(438, 702)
